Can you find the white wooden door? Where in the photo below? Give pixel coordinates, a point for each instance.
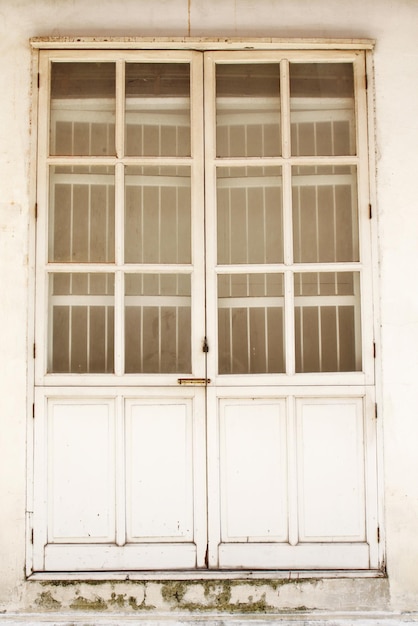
(204, 391)
(120, 450)
(291, 425)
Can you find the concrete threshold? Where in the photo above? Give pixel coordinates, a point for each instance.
(176, 619)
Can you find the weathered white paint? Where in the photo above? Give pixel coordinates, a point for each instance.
(393, 25)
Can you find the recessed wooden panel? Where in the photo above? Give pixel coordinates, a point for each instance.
(159, 470)
(253, 470)
(331, 488)
(81, 471)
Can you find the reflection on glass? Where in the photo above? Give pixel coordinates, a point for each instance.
(157, 109)
(157, 323)
(327, 322)
(325, 216)
(82, 214)
(250, 324)
(157, 214)
(81, 323)
(322, 109)
(249, 215)
(248, 110)
(82, 109)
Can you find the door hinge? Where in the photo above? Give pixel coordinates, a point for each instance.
(34, 350)
(39, 80)
(36, 210)
(378, 534)
(366, 82)
(374, 349)
(33, 410)
(205, 346)
(370, 212)
(207, 557)
(375, 410)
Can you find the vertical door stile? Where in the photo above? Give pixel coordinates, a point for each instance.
(199, 329)
(371, 473)
(198, 215)
(40, 517)
(364, 222)
(292, 482)
(119, 274)
(213, 508)
(210, 209)
(42, 333)
(120, 471)
(289, 321)
(119, 219)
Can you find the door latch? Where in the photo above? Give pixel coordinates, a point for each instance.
(193, 381)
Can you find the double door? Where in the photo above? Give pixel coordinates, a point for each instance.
(203, 390)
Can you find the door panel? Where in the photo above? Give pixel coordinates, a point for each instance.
(331, 451)
(253, 470)
(160, 503)
(111, 558)
(81, 471)
(325, 556)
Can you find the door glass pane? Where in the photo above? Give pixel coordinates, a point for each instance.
(250, 323)
(157, 323)
(327, 322)
(248, 110)
(82, 109)
(157, 109)
(81, 214)
(81, 323)
(249, 215)
(325, 215)
(322, 111)
(157, 214)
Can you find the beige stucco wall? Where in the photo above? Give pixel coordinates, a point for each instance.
(393, 24)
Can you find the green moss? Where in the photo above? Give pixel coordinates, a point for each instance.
(174, 591)
(84, 604)
(47, 602)
(117, 600)
(133, 603)
(217, 595)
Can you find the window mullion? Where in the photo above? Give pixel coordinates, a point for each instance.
(119, 323)
(119, 217)
(289, 322)
(120, 109)
(289, 315)
(285, 107)
(119, 260)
